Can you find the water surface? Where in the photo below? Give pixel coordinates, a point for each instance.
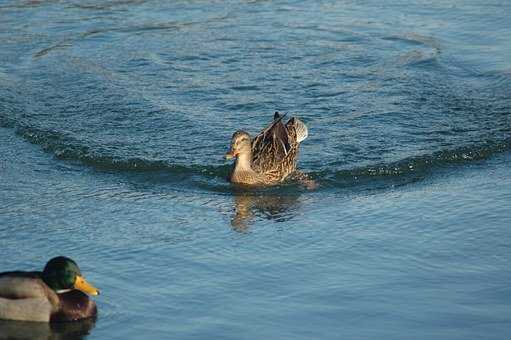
(115, 115)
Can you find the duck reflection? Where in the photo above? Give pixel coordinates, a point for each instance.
(42, 330)
(251, 204)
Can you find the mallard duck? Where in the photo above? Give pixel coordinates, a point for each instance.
(271, 156)
(55, 294)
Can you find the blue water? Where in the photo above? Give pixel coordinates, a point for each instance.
(115, 115)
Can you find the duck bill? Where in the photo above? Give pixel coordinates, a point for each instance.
(230, 155)
(82, 285)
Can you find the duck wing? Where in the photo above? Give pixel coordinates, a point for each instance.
(24, 296)
(22, 285)
(271, 146)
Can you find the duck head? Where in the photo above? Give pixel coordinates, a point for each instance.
(62, 273)
(241, 145)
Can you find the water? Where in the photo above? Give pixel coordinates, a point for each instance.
(115, 116)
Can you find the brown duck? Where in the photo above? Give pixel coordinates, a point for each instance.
(271, 156)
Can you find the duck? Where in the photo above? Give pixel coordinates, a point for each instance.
(58, 293)
(271, 156)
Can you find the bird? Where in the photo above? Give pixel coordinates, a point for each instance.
(58, 293)
(271, 156)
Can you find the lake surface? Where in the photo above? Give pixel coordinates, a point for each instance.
(115, 115)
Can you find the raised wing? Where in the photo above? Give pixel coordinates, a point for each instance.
(271, 146)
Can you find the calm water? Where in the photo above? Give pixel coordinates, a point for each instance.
(115, 115)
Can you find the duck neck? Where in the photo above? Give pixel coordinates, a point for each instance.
(243, 162)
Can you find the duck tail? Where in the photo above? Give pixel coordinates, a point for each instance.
(302, 132)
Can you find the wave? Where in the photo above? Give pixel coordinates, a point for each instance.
(413, 168)
(66, 147)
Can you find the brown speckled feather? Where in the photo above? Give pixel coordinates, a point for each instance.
(275, 150)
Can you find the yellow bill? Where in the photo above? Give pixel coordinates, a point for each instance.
(82, 285)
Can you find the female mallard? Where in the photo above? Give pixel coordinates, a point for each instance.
(271, 157)
(55, 294)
